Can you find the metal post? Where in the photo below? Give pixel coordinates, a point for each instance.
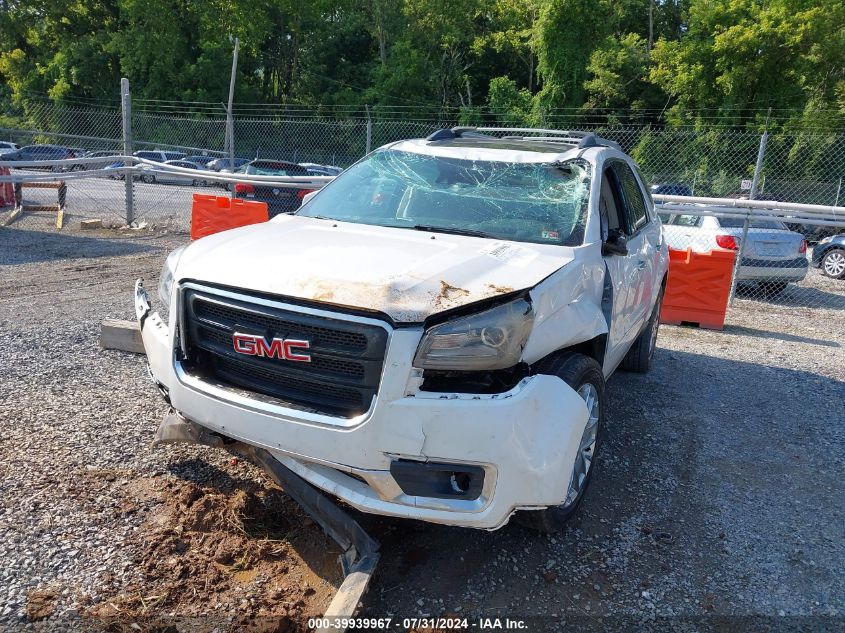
(758, 169)
(838, 190)
(126, 107)
(230, 122)
(369, 130)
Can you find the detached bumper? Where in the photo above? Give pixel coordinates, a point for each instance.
(516, 449)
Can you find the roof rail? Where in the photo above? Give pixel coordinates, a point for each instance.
(575, 138)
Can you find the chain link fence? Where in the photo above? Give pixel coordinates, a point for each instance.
(782, 263)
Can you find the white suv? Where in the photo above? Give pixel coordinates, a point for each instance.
(430, 334)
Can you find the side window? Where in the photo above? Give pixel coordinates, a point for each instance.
(635, 206)
(610, 202)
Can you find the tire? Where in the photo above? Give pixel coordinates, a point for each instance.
(195, 183)
(578, 371)
(638, 358)
(148, 178)
(833, 263)
(773, 288)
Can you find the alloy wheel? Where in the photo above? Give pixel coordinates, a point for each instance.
(834, 264)
(587, 446)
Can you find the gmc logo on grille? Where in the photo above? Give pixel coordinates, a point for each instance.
(283, 349)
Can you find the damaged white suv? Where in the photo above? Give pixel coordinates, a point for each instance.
(430, 334)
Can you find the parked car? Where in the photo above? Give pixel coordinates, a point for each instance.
(203, 161)
(113, 172)
(773, 257)
(671, 189)
(430, 335)
(829, 255)
(99, 159)
(44, 152)
(223, 164)
(174, 178)
(159, 156)
(279, 199)
(8, 145)
(322, 170)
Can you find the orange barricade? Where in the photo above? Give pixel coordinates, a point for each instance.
(212, 214)
(698, 288)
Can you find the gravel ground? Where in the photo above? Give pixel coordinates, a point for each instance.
(719, 491)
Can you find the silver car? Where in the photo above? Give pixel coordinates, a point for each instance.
(174, 178)
(773, 257)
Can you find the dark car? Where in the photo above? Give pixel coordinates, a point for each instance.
(43, 152)
(671, 189)
(278, 199)
(829, 255)
(223, 164)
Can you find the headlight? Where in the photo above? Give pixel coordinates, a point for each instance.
(492, 339)
(165, 282)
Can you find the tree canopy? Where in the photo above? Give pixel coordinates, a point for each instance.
(675, 61)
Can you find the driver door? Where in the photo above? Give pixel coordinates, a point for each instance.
(621, 271)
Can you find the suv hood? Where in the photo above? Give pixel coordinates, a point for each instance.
(408, 275)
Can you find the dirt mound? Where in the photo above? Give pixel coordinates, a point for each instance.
(240, 557)
(40, 603)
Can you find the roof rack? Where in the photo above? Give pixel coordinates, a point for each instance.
(574, 138)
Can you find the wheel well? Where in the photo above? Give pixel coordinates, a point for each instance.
(595, 348)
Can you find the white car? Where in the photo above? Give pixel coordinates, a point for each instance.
(430, 334)
(159, 174)
(773, 257)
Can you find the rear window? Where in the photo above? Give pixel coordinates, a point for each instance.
(738, 223)
(275, 169)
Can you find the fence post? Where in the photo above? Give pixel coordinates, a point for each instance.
(369, 131)
(230, 119)
(126, 108)
(758, 169)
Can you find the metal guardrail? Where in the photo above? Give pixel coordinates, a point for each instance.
(152, 167)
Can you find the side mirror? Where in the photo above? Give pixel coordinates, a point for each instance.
(615, 244)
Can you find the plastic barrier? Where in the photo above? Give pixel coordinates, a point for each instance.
(212, 214)
(698, 288)
(7, 190)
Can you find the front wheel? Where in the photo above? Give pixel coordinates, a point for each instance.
(833, 263)
(148, 178)
(585, 376)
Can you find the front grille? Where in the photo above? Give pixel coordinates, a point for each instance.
(346, 356)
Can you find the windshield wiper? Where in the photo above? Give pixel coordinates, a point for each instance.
(452, 230)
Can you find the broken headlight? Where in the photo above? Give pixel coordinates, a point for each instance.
(492, 339)
(165, 281)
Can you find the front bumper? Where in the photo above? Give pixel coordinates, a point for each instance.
(525, 440)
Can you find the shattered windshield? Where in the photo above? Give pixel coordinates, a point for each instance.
(525, 202)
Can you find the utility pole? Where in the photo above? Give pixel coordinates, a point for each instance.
(230, 122)
(126, 110)
(650, 25)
